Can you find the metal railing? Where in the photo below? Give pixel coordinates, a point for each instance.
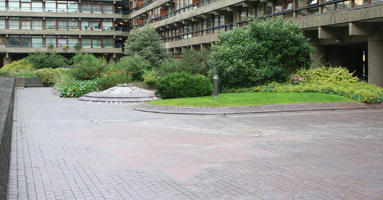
(231, 26)
(28, 44)
(66, 10)
(64, 28)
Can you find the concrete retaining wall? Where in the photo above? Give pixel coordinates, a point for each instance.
(28, 82)
(7, 95)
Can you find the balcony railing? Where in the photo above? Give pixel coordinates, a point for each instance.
(62, 28)
(53, 46)
(66, 10)
(231, 26)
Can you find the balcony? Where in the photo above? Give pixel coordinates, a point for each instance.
(67, 13)
(7, 48)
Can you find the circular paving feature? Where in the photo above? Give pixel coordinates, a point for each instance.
(122, 93)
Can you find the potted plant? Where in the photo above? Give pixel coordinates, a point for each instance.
(78, 47)
(50, 46)
(66, 47)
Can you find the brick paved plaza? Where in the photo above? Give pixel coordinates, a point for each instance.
(68, 149)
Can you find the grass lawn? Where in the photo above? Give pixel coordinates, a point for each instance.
(252, 98)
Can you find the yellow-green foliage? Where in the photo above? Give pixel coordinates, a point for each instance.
(19, 66)
(326, 75)
(358, 91)
(150, 78)
(47, 75)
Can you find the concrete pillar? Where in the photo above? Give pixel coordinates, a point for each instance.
(375, 61)
(6, 60)
(318, 58)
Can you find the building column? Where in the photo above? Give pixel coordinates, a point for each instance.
(318, 58)
(375, 61)
(6, 59)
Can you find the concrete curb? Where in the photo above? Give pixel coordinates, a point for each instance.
(253, 109)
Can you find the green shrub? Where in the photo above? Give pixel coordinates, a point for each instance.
(47, 75)
(326, 75)
(78, 88)
(147, 43)
(25, 74)
(359, 91)
(4, 72)
(262, 52)
(135, 66)
(43, 60)
(150, 78)
(87, 66)
(111, 80)
(194, 62)
(168, 67)
(18, 66)
(183, 85)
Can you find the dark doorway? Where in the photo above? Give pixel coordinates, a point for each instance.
(353, 57)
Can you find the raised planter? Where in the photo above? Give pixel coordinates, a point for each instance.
(28, 82)
(7, 95)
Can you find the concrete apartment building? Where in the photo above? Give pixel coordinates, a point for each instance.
(344, 32)
(27, 26)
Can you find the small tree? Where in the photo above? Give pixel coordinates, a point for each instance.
(195, 62)
(145, 42)
(87, 66)
(262, 52)
(43, 60)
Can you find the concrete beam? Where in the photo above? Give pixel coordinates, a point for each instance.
(355, 28)
(331, 32)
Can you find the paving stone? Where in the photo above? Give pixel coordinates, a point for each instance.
(69, 149)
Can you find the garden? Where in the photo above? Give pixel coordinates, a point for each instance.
(266, 62)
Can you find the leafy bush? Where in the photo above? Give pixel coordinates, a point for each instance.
(183, 85)
(150, 78)
(111, 79)
(4, 72)
(135, 66)
(194, 62)
(359, 91)
(262, 52)
(64, 78)
(326, 75)
(43, 60)
(168, 67)
(78, 88)
(18, 66)
(146, 42)
(47, 75)
(87, 66)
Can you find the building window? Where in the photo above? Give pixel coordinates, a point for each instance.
(14, 5)
(14, 23)
(278, 6)
(73, 24)
(95, 25)
(50, 6)
(14, 41)
(107, 25)
(26, 41)
(72, 41)
(62, 42)
(86, 43)
(26, 5)
(107, 8)
(26, 24)
(72, 6)
(85, 7)
(2, 23)
(37, 24)
(50, 40)
(2, 5)
(107, 43)
(63, 25)
(37, 6)
(96, 43)
(96, 8)
(37, 42)
(62, 7)
(50, 24)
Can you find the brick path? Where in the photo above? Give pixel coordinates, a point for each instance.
(68, 149)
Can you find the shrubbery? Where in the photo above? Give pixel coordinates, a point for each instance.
(262, 52)
(194, 62)
(168, 67)
(87, 66)
(78, 88)
(47, 75)
(135, 66)
(326, 75)
(150, 78)
(111, 78)
(146, 42)
(42, 60)
(183, 85)
(18, 66)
